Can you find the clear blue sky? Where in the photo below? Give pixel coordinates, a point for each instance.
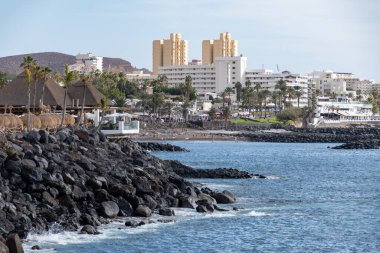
(298, 35)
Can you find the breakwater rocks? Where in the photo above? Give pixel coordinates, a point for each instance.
(77, 177)
(364, 144)
(155, 146)
(188, 172)
(315, 135)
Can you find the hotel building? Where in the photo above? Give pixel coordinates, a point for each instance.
(224, 47)
(171, 52)
(87, 63)
(268, 80)
(208, 79)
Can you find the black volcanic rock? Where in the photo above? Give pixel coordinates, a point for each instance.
(65, 179)
(362, 144)
(155, 146)
(188, 172)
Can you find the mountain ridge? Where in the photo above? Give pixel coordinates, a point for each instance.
(56, 61)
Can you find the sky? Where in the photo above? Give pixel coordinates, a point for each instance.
(297, 35)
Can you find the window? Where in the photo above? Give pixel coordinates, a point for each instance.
(233, 67)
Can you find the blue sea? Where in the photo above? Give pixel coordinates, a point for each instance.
(315, 199)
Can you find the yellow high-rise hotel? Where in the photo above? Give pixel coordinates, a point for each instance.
(224, 47)
(174, 51)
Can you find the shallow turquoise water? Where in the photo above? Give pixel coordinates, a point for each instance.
(316, 200)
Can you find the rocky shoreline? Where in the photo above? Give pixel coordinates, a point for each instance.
(284, 134)
(315, 135)
(155, 146)
(362, 144)
(79, 179)
(189, 172)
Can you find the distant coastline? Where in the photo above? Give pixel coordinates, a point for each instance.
(317, 135)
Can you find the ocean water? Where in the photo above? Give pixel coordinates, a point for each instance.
(316, 199)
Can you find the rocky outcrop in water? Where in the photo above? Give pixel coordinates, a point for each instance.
(155, 146)
(78, 178)
(188, 172)
(363, 144)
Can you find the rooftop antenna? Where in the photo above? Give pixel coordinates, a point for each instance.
(278, 69)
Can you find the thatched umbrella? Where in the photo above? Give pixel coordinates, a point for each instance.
(35, 122)
(4, 121)
(47, 121)
(69, 120)
(50, 120)
(10, 121)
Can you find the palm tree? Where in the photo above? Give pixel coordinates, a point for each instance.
(226, 114)
(103, 105)
(274, 97)
(290, 91)
(29, 83)
(67, 79)
(57, 77)
(228, 91)
(223, 94)
(298, 93)
(238, 87)
(84, 78)
(247, 83)
(37, 71)
(27, 64)
(265, 94)
(281, 86)
(3, 79)
(45, 76)
(257, 87)
(359, 95)
(168, 107)
(212, 115)
(260, 98)
(157, 100)
(248, 96)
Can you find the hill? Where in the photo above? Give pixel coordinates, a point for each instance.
(57, 61)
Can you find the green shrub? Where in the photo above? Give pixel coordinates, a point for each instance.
(291, 113)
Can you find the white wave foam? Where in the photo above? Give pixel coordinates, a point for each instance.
(115, 230)
(258, 214)
(273, 177)
(217, 185)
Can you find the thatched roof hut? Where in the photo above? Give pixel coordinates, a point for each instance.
(93, 96)
(15, 93)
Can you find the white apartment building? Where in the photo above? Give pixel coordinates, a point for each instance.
(364, 86)
(229, 71)
(208, 79)
(139, 76)
(329, 82)
(268, 80)
(203, 76)
(87, 63)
